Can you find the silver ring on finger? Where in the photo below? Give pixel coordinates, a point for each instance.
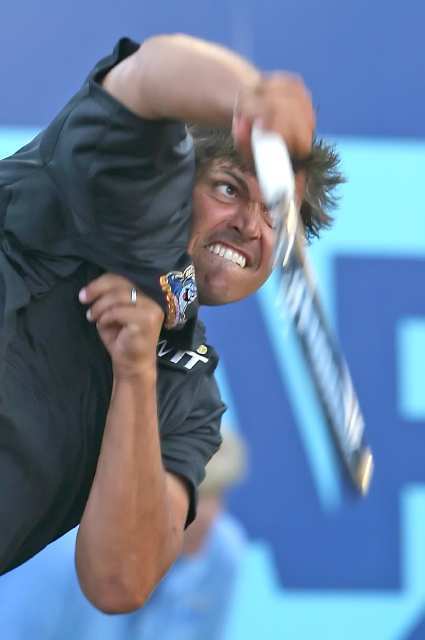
(133, 295)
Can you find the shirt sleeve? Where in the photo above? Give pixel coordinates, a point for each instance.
(126, 182)
(187, 449)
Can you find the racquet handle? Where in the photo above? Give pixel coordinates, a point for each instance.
(273, 166)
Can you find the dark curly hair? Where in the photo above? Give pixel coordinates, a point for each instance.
(321, 169)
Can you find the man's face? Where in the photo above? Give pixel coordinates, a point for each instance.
(232, 237)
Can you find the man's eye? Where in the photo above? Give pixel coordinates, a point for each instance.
(226, 189)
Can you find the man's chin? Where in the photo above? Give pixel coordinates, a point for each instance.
(210, 299)
(216, 296)
(214, 289)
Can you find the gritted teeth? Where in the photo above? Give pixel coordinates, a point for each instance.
(227, 254)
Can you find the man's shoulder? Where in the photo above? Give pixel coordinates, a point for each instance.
(188, 393)
(122, 49)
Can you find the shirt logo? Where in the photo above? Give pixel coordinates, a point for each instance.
(185, 360)
(179, 288)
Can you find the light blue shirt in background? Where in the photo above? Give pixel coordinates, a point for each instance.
(41, 600)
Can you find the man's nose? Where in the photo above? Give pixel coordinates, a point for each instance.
(248, 219)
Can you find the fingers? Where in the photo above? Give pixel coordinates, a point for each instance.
(120, 315)
(110, 292)
(103, 285)
(136, 334)
(116, 297)
(104, 293)
(282, 103)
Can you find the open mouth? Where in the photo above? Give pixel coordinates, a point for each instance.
(227, 254)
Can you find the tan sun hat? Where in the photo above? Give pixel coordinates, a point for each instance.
(227, 466)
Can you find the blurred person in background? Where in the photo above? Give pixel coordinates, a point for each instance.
(109, 409)
(191, 603)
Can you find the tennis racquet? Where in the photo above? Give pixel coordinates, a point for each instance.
(299, 293)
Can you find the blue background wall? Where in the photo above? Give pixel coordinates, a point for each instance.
(363, 60)
(322, 563)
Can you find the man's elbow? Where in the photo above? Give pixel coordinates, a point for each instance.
(115, 595)
(124, 590)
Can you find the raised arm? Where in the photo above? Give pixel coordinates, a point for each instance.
(183, 78)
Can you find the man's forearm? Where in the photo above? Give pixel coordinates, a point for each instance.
(183, 78)
(127, 539)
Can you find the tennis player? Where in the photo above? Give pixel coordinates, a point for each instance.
(109, 410)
